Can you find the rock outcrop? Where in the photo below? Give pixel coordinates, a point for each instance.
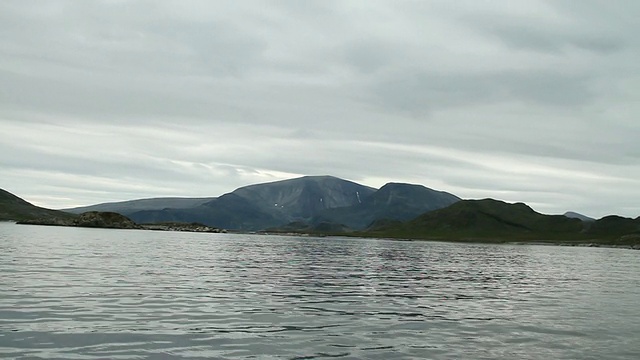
(95, 219)
(109, 220)
(192, 227)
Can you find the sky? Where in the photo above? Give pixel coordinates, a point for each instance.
(522, 101)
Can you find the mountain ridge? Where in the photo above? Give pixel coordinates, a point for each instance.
(485, 220)
(312, 200)
(129, 206)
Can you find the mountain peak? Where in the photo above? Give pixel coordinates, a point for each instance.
(391, 185)
(575, 215)
(419, 195)
(319, 177)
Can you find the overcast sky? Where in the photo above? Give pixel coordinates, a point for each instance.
(531, 101)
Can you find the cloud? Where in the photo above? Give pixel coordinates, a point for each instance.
(113, 100)
(421, 93)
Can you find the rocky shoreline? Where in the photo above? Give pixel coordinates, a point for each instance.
(111, 220)
(93, 219)
(192, 227)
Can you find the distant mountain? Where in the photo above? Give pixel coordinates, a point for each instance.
(261, 206)
(393, 201)
(128, 207)
(329, 205)
(17, 209)
(575, 215)
(228, 211)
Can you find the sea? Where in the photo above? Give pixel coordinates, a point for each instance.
(77, 293)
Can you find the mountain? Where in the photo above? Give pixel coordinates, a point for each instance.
(304, 197)
(485, 219)
(316, 199)
(324, 204)
(17, 209)
(261, 206)
(393, 201)
(128, 207)
(575, 215)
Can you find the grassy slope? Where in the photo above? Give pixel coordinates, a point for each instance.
(17, 209)
(492, 220)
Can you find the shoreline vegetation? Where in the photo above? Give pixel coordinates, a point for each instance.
(605, 243)
(195, 227)
(107, 220)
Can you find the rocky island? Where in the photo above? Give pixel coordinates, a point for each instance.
(188, 227)
(93, 219)
(112, 220)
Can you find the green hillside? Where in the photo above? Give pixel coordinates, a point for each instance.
(615, 227)
(16, 209)
(488, 220)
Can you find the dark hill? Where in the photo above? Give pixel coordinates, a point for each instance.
(17, 209)
(486, 219)
(393, 201)
(613, 227)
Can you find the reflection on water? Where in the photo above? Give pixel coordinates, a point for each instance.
(97, 294)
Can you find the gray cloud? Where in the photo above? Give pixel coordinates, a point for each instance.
(546, 41)
(113, 100)
(419, 93)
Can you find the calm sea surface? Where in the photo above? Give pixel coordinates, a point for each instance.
(70, 293)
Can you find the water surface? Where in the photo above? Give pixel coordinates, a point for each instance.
(72, 293)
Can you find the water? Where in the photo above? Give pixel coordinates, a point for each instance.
(68, 293)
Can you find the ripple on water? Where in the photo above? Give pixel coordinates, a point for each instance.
(96, 294)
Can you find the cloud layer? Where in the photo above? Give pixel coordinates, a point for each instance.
(532, 101)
